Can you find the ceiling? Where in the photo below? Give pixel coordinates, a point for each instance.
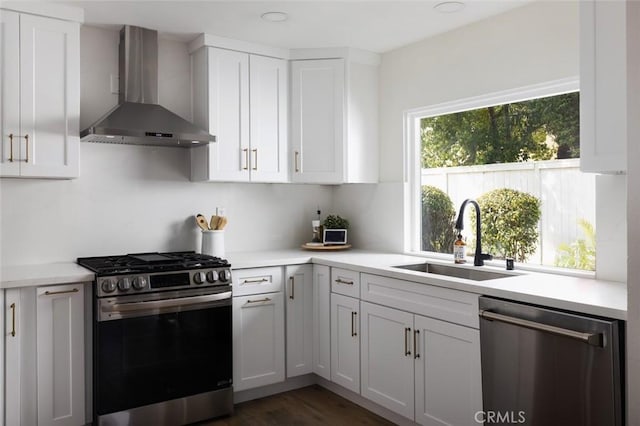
(378, 26)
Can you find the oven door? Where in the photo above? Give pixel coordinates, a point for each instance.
(162, 346)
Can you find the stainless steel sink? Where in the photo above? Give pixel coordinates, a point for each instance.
(454, 271)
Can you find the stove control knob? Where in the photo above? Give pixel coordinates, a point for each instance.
(225, 275)
(139, 283)
(212, 276)
(108, 285)
(198, 277)
(124, 284)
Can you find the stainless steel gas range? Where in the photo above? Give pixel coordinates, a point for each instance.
(162, 343)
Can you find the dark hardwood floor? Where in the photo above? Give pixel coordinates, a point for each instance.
(312, 405)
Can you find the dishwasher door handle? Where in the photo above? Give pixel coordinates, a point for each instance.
(593, 339)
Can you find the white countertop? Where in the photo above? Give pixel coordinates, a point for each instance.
(595, 297)
(586, 295)
(44, 274)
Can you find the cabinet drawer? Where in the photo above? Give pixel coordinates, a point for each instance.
(257, 281)
(345, 282)
(436, 302)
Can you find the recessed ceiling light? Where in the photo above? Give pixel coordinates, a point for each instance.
(449, 6)
(275, 16)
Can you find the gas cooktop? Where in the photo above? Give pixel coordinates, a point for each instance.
(138, 263)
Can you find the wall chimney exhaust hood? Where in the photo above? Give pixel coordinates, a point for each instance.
(138, 119)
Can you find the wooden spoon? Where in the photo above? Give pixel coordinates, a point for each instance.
(202, 222)
(214, 222)
(222, 223)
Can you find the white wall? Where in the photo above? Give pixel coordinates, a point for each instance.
(133, 198)
(530, 45)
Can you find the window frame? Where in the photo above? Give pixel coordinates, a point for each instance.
(412, 166)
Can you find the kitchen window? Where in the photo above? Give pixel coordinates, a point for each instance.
(517, 154)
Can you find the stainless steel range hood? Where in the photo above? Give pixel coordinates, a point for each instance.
(138, 119)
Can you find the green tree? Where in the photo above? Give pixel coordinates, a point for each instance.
(437, 220)
(503, 133)
(580, 254)
(509, 223)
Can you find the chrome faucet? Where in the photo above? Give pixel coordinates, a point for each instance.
(479, 258)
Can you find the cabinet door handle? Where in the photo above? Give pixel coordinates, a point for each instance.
(246, 159)
(297, 157)
(341, 281)
(13, 320)
(26, 138)
(407, 350)
(11, 147)
(353, 324)
(266, 299)
(416, 333)
(292, 281)
(255, 158)
(53, 293)
(261, 280)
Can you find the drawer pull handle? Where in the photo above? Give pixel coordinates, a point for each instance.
(407, 332)
(416, 333)
(11, 147)
(13, 320)
(341, 281)
(255, 163)
(292, 281)
(261, 280)
(53, 293)
(246, 159)
(26, 138)
(266, 299)
(353, 324)
(297, 155)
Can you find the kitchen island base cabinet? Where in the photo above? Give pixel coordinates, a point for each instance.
(345, 341)
(299, 302)
(258, 340)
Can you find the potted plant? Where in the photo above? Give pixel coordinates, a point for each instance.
(335, 230)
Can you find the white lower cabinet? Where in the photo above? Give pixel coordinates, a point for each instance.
(322, 321)
(387, 358)
(299, 302)
(415, 364)
(345, 341)
(448, 379)
(258, 340)
(44, 363)
(418, 366)
(60, 343)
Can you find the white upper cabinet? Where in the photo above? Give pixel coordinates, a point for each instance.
(334, 120)
(603, 86)
(268, 91)
(242, 100)
(40, 107)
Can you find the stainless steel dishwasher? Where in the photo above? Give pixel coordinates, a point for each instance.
(546, 367)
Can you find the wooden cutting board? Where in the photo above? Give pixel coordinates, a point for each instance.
(326, 248)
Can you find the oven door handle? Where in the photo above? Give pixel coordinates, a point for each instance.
(133, 309)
